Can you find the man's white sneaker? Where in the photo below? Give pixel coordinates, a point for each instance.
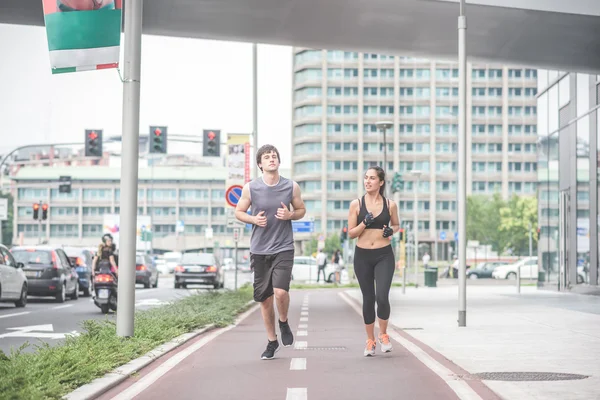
(386, 344)
(370, 348)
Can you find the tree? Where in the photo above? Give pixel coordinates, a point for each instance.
(483, 220)
(518, 217)
(332, 243)
(7, 226)
(311, 246)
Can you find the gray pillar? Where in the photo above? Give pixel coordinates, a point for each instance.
(129, 167)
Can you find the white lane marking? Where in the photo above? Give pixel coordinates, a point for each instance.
(461, 388)
(302, 326)
(161, 370)
(302, 333)
(303, 319)
(15, 314)
(305, 309)
(296, 394)
(304, 313)
(298, 364)
(65, 306)
(299, 345)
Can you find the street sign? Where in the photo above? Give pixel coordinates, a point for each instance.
(303, 226)
(65, 184)
(233, 195)
(180, 226)
(442, 235)
(236, 234)
(3, 210)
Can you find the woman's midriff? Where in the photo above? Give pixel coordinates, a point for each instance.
(372, 239)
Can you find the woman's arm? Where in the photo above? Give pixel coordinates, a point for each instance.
(354, 229)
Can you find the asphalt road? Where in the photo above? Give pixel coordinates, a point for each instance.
(325, 363)
(45, 320)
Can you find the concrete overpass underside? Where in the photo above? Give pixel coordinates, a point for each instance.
(565, 38)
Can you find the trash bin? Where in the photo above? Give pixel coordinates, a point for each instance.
(542, 276)
(431, 275)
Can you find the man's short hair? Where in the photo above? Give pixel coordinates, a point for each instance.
(267, 148)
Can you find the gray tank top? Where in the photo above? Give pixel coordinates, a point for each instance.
(277, 236)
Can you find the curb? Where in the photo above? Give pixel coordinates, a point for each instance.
(101, 385)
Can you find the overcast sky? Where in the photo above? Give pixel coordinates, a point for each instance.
(186, 84)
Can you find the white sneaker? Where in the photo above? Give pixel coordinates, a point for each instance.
(386, 344)
(370, 348)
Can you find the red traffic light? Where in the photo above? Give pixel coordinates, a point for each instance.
(45, 207)
(93, 135)
(36, 206)
(157, 132)
(345, 229)
(211, 135)
(401, 229)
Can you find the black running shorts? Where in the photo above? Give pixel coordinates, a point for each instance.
(271, 271)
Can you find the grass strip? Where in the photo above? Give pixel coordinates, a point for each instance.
(54, 371)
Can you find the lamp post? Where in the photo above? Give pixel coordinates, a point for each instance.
(383, 126)
(417, 175)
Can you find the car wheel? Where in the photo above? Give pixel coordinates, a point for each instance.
(75, 294)
(512, 276)
(155, 282)
(22, 302)
(86, 292)
(177, 285)
(473, 276)
(147, 284)
(104, 308)
(61, 296)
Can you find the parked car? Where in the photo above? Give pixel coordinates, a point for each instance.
(484, 269)
(528, 265)
(49, 272)
(199, 268)
(146, 272)
(305, 269)
(13, 282)
(82, 258)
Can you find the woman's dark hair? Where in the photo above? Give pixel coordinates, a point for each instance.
(267, 148)
(381, 176)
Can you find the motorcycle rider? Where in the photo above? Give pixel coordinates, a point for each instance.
(106, 254)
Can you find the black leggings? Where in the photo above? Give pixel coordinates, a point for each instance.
(374, 269)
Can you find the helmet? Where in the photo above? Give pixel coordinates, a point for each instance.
(106, 236)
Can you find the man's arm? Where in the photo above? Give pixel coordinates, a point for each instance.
(243, 205)
(298, 204)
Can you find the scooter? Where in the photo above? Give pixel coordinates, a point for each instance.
(105, 290)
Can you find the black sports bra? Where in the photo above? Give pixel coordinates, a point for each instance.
(380, 220)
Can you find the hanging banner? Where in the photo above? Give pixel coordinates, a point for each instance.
(238, 158)
(83, 35)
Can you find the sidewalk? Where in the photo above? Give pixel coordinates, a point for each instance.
(325, 363)
(536, 331)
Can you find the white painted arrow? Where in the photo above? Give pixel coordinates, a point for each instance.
(42, 332)
(150, 302)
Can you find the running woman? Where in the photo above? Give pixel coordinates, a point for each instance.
(373, 220)
(272, 242)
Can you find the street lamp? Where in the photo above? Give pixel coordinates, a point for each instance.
(383, 126)
(417, 175)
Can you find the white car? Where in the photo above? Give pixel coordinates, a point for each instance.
(305, 269)
(528, 265)
(13, 282)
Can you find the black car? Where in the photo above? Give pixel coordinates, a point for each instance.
(49, 272)
(145, 271)
(81, 258)
(484, 269)
(199, 268)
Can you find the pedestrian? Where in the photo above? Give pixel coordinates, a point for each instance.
(321, 263)
(373, 219)
(272, 241)
(336, 261)
(426, 260)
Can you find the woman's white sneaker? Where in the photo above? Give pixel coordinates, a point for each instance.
(370, 348)
(386, 344)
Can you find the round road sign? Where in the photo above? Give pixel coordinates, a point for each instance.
(233, 195)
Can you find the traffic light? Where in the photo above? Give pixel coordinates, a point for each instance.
(401, 234)
(158, 140)
(93, 143)
(36, 211)
(211, 143)
(397, 183)
(44, 212)
(344, 235)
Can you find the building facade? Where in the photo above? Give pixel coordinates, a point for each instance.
(568, 155)
(339, 96)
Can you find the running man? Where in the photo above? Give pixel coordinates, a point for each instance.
(272, 241)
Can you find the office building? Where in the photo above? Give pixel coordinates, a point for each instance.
(340, 95)
(569, 136)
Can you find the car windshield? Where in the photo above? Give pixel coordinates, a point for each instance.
(197, 258)
(32, 256)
